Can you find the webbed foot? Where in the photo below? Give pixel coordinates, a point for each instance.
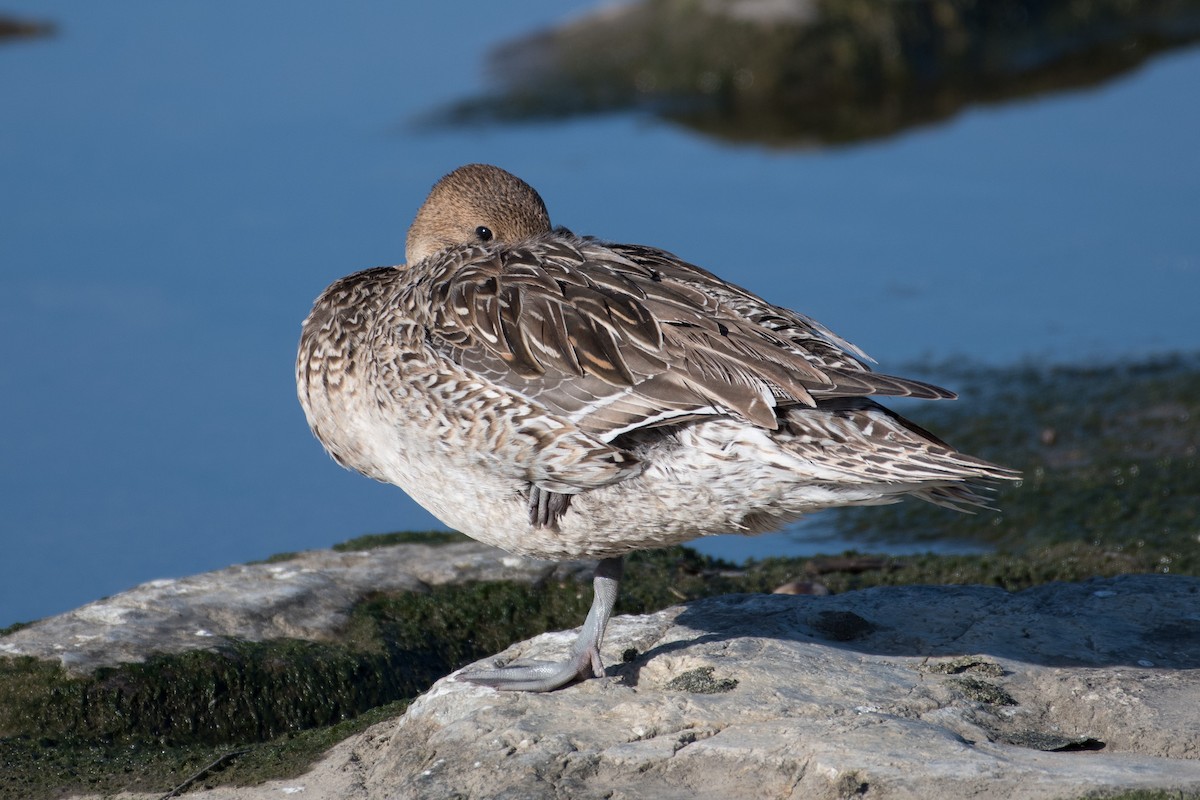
(538, 676)
(584, 659)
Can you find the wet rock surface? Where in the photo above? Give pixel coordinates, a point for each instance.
(926, 691)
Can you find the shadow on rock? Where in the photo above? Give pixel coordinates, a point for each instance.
(1137, 621)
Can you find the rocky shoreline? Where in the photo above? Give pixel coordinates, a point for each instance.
(1060, 690)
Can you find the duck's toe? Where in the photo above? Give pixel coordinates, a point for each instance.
(538, 676)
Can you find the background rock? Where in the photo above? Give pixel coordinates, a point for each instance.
(13, 28)
(804, 72)
(307, 596)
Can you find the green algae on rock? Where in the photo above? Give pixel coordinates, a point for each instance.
(701, 681)
(1109, 457)
(50, 767)
(371, 541)
(242, 692)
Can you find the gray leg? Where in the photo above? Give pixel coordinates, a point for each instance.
(584, 659)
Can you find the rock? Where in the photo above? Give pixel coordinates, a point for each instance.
(799, 72)
(307, 596)
(10, 27)
(924, 692)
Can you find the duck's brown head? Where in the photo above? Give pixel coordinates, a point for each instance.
(477, 203)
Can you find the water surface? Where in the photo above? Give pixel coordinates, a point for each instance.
(179, 181)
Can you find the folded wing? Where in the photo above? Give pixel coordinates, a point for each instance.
(620, 337)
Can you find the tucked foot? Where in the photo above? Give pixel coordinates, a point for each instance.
(584, 660)
(545, 507)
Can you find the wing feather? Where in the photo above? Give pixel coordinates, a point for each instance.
(617, 337)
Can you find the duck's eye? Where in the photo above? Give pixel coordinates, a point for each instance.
(484, 233)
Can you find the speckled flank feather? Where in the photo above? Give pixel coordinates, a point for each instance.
(511, 361)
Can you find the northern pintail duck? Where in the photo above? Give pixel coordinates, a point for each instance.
(562, 397)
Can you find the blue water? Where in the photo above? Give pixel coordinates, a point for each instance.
(178, 181)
